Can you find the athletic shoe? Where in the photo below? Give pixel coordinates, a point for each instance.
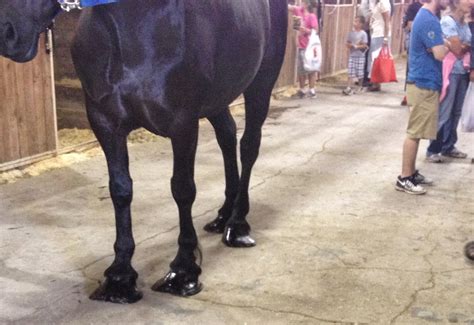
(409, 185)
(312, 93)
(455, 153)
(348, 91)
(299, 94)
(421, 179)
(434, 158)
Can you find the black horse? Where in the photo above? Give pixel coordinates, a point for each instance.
(162, 65)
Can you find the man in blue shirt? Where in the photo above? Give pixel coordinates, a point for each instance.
(427, 51)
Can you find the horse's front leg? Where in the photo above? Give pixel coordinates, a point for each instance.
(226, 134)
(182, 279)
(120, 278)
(257, 103)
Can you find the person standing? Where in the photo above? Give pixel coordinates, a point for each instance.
(357, 45)
(408, 19)
(427, 51)
(309, 22)
(380, 31)
(455, 82)
(469, 248)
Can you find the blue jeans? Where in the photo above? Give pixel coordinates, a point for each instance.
(449, 114)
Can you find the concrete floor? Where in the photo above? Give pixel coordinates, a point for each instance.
(335, 242)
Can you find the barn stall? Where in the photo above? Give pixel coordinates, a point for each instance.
(43, 98)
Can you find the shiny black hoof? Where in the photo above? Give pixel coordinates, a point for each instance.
(469, 250)
(238, 235)
(178, 284)
(118, 291)
(216, 226)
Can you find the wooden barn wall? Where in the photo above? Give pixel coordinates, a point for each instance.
(398, 35)
(337, 24)
(27, 123)
(288, 71)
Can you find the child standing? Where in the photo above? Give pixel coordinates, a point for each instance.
(357, 45)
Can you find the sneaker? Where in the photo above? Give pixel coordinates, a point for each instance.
(312, 93)
(299, 94)
(434, 158)
(374, 88)
(348, 91)
(421, 179)
(409, 185)
(455, 153)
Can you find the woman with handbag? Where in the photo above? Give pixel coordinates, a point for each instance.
(380, 30)
(305, 21)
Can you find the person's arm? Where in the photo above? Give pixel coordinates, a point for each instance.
(439, 52)
(448, 26)
(385, 11)
(432, 38)
(292, 8)
(457, 47)
(386, 29)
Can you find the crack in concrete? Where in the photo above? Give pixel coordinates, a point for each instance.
(265, 179)
(287, 312)
(323, 149)
(431, 282)
(278, 173)
(374, 268)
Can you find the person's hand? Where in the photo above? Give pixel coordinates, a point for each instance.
(471, 76)
(385, 41)
(447, 43)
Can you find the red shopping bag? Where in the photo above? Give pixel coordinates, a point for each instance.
(383, 69)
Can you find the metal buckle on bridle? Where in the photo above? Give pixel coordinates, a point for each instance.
(68, 5)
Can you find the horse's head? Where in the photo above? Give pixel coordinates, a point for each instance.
(21, 23)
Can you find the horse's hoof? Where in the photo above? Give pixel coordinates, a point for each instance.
(469, 250)
(178, 284)
(238, 236)
(216, 226)
(122, 291)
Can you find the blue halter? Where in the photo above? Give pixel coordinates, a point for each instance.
(92, 3)
(68, 5)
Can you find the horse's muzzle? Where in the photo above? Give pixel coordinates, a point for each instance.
(11, 47)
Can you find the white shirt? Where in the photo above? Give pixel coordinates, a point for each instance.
(377, 22)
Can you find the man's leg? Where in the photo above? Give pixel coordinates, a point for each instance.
(410, 150)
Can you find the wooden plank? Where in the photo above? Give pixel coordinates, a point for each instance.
(8, 111)
(38, 94)
(31, 114)
(49, 103)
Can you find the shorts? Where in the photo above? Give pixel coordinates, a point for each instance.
(356, 67)
(424, 104)
(301, 71)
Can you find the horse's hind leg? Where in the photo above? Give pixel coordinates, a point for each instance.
(182, 279)
(224, 126)
(120, 283)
